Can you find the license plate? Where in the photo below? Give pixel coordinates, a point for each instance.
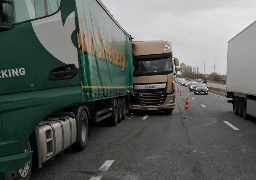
(151, 109)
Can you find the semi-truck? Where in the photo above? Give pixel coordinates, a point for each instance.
(241, 85)
(64, 64)
(154, 69)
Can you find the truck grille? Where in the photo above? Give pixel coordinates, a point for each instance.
(154, 97)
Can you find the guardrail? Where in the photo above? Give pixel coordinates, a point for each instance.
(218, 91)
(218, 86)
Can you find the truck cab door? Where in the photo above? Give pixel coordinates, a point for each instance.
(39, 51)
(57, 34)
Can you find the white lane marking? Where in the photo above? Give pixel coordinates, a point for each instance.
(154, 157)
(203, 105)
(145, 117)
(193, 98)
(103, 169)
(188, 94)
(232, 126)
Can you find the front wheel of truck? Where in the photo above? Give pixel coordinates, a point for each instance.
(25, 172)
(168, 111)
(82, 131)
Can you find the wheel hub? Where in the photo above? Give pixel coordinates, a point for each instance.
(116, 112)
(120, 112)
(83, 131)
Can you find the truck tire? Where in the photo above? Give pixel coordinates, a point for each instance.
(245, 115)
(120, 110)
(82, 131)
(112, 121)
(123, 108)
(236, 105)
(168, 111)
(25, 172)
(241, 107)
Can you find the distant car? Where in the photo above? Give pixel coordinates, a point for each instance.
(199, 80)
(205, 81)
(187, 84)
(183, 82)
(192, 86)
(201, 89)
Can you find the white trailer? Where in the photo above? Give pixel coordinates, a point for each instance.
(241, 74)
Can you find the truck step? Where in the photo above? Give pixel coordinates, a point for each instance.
(230, 101)
(48, 139)
(49, 154)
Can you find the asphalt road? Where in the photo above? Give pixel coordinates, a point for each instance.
(189, 144)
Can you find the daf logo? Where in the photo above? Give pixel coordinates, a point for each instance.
(167, 47)
(150, 87)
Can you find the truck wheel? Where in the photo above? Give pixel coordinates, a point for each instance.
(168, 111)
(112, 121)
(120, 110)
(241, 107)
(123, 108)
(82, 131)
(245, 115)
(25, 172)
(236, 105)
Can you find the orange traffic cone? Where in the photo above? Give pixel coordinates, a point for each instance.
(187, 105)
(178, 90)
(180, 93)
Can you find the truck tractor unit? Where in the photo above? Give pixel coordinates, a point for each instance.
(241, 84)
(154, 70)
(64, 64)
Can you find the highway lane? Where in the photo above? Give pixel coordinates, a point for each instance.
(232, 150)
(189, 144)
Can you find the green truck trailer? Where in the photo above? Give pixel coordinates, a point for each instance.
(64, 63)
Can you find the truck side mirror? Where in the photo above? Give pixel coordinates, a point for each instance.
(177, 69)
(176, 62)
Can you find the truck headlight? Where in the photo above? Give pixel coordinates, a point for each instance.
(171, 100)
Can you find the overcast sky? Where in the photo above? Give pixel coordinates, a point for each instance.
(198, 29)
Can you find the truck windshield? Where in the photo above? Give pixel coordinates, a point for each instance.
(16, 11)
(160, 66)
